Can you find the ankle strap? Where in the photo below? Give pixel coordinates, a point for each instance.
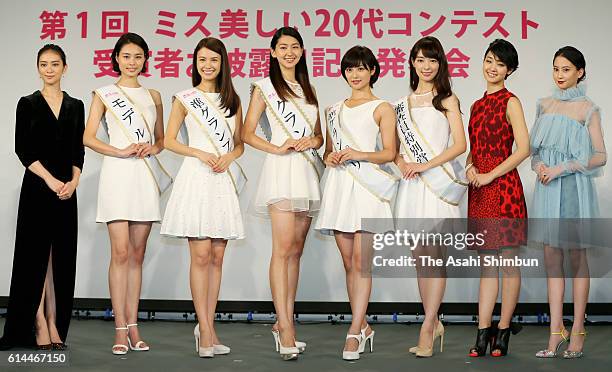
(561, 333)
(583, 333)
(358, 337)
(133, 325)
(121, 328)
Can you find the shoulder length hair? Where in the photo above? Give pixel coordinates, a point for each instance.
(229, 98)
(301, 70)
(430, 47)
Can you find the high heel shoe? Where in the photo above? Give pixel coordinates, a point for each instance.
(365, 339)
(484, 338)
(120, 349)
(438, 332)
(58, 346)
(299, 344)
(569, 354)
(203, 352)
(353, 355)
(218, 349)
(287, 353)
(45, 347)
(502, 340)
(138, 346)
(550, 353)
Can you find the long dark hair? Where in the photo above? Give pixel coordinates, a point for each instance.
(229, 98)
(431, 48)
(301, 70)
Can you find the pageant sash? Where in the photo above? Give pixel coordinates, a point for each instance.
(448, 181)
(215, 127)
(379, 181)
(290, 116)
(133, 124)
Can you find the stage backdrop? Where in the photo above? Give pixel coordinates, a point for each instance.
(88, 30)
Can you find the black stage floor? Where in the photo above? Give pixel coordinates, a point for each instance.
(173, 349)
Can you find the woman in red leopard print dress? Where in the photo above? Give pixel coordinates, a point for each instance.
(496, 203)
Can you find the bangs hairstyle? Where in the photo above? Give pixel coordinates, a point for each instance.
(130, 38)
(431, 47)
(575, 57)
(301, 70)
(227, 94)
(360, 56)
(52, 48)
(505, 52)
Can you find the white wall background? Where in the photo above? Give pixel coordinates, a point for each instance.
(246, 263)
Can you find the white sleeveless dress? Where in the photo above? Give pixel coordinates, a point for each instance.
(414, 198)
(288, 182)
(127, 189)
(345, 202)
(203, 204)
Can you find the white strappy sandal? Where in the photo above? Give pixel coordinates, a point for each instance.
(120, 349)
(138, 346)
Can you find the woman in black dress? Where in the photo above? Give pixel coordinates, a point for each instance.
(48, 141)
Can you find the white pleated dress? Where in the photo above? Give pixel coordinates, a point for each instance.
(288, 182)
(345, 202)
(127, 190)
(414, 198)
(203, 204)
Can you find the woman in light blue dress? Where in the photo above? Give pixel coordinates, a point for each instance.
(568, 152)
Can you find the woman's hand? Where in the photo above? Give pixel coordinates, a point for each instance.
(547, 174)
(412, 169)
(305, 143)
(483, 179)
(332, 159)
(223, 162)
(54, 184)
(350, 154)
(144, 150)
(471, 174)
(129, 151)
(207, 158)
(67, 190)
(286, 147)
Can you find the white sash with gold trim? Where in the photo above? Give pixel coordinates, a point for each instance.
(378, 180)
(134, 126)
(215, 127)
(291, 118)
(448, 181)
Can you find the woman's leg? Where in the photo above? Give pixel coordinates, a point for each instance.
(50, 304)
(555, 278)
(361, 282)
(118, 275)
(139, 234)
(581, 283)
(283, 240)
(42, 332)
(214, 282)
(487, 293)
(433, 283)
(511, 288)
(344, 241)
(199, 276)
(302, 226)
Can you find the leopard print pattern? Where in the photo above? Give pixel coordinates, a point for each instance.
(500, 206)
